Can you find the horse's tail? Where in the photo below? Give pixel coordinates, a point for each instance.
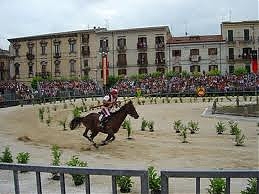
(75, 123)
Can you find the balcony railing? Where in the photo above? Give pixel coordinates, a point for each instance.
(195, 58)
(103, 49)
(43, 74)
(235, 40)
(121, 49)
(160, 61)
(142, 63)
(85, 52)
(160, 46)
(142, 46)
(57, 55)
(30, 56)
(239, 58)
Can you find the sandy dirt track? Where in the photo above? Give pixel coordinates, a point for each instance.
(161, 148)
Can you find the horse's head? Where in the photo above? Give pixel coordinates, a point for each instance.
(131, 110)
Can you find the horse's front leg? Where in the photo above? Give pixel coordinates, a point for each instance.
(108, 139)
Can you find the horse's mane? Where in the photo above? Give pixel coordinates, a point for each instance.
(120, 109)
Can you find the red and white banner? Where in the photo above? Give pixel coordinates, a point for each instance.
(105, 69)
(254, 62)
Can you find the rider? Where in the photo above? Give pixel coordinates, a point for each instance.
(108, 102)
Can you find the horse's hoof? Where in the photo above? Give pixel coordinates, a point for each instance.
(95, 145)
(104, 143)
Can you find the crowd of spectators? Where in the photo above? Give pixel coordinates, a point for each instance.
(75, 88)
(148, 85)
(162, 84)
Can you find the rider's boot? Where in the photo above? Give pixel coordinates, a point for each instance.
(103, 121)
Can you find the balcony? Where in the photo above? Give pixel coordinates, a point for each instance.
(85, 51)
(142, 46)
(57, 55)
(160, 46)
(103, 49)
(30, 56)
(160, 62)
(239, 58)
(195, 58)
(121, 49)
(43, 74)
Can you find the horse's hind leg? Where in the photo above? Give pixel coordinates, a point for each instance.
(92, 138)
(89, 138)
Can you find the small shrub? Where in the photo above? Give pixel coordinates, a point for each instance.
(77, 178)
(23, 157)
(41, 113)
(125, 183)
(56, 154)
(77, 112)
(6, 156)
(177, 125)
(193, 126)
(144, 124)
(63, 123)
(125, 124)
(240, 138)
(251, 187)
(129, 129)
(151, 126)
(217, 186)
(220, 127)
(154, 179)
(48, 120)
(183, 133)
(233, 127)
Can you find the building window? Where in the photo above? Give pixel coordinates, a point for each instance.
(17, 69)
(230, 35)
(231, 53)
(161, 70)
(194, 52)
(212, 51)
(246, 34)
(122, 72)
(160, 58)
(213, 67)
(104, 46)
(177, 69)
(142, 59)
(85, 63)
(85, 38)
(43, 45)
(142, 43)
(72, 66)
(57, 49)
(72, 45)
(159, 42)
(122, 60)
(121, 42)
(195, 68)
(176, 53)
(142, 71)
(231, 69)
(247, 52)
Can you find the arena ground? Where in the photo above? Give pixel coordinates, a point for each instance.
(162, 148)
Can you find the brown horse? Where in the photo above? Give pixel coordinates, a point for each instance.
(112, 126)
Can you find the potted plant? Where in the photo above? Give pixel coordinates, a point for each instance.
(125, 183)
(23, 158)
(154, 181)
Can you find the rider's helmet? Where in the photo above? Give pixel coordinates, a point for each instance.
(114, 91)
